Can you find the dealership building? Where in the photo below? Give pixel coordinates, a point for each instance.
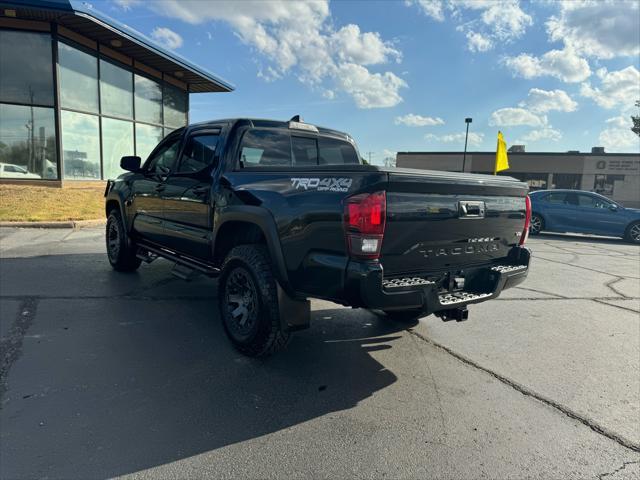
(79, 90)
(615, 175)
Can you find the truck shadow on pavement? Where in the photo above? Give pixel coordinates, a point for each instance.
(121, 373)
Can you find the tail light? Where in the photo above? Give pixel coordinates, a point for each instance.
(364, 219)
(527, 221)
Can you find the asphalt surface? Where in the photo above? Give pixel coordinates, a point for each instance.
(106, 374)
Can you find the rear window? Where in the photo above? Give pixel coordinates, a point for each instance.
(336, 152)
(265, 148)
(269, 148)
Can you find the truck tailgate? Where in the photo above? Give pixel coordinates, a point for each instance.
(441, 221)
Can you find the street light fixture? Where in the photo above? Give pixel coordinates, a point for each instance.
(467, 120)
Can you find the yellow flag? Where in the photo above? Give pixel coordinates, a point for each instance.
(502, 161)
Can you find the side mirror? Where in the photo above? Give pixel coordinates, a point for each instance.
(130, 163)
(613, 207)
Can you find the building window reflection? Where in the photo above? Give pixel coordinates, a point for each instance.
(78, 79)
(117, 141)
(27, 68)
(27, 143)
(80, 146)
(116, 90)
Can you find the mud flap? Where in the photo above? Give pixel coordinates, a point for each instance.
(294, 314)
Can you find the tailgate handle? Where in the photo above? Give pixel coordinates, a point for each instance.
(471, 209)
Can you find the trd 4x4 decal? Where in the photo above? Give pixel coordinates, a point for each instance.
(329, 184)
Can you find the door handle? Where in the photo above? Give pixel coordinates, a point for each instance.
(160, 188)
(200, 190)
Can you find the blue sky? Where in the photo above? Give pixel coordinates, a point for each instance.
(403, 75)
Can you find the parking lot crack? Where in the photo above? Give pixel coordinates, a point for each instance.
(584, 268)
(620, 440)
(604, 302)
(610, 286)
(11, 346)
(619, 469)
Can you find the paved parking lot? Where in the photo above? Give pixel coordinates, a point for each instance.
(106, 374)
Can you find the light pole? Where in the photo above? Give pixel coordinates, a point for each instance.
(467, 120)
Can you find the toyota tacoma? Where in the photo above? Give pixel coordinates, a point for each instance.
(283, 211)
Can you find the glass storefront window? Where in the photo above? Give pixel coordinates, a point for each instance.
(78, 78)
(147, 138)
(116, 90)
(117, 141)
(175, 106)
(27, 68)
(148, 100)
(27, 143)
(80, 146)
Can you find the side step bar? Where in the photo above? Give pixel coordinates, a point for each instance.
(185, 268)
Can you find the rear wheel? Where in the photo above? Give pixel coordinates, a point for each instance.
(536, 225)
(248, 299)
(121, 252)
(633, 233)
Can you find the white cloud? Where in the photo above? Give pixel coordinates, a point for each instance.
(362, 48)
(126, 4)
(475, 139)
(541, 101)
(546, 133)
(370, 90)
(602, 29)
(619, 121)
(511, 117)
(167, 37)
(413, 120)
(476, 42)
(562, 64)
(619, 139)
(505, 17)
(299, 38)
(495, 20)
(617, 88)
(431, 8)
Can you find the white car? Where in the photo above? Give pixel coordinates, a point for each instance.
(9, 170)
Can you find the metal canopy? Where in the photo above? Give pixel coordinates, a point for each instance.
(84, 19)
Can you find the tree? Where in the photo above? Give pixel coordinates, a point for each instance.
(636, 122)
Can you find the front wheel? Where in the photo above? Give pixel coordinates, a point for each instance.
(536, 225)
(633, 233)
(248, 298)
(121, 253)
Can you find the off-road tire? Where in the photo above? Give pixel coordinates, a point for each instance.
(264, 335)
(631, 233)
(538, 226)
(120, 251)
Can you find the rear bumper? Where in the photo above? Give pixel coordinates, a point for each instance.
(367, 287)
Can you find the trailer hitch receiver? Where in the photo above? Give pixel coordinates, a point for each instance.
(459, 314)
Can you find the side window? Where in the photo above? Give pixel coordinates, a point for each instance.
(586, 201)
(199, 153)
(572, 199)
(265, 148)
(305, 151)
(593, 202)
(556, 198)
(336, 152)
(164, 159)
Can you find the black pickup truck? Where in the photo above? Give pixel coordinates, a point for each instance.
(281, 212)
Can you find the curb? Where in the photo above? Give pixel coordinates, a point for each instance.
(65, 224)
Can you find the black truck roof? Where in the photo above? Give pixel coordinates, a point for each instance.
(267, 123)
